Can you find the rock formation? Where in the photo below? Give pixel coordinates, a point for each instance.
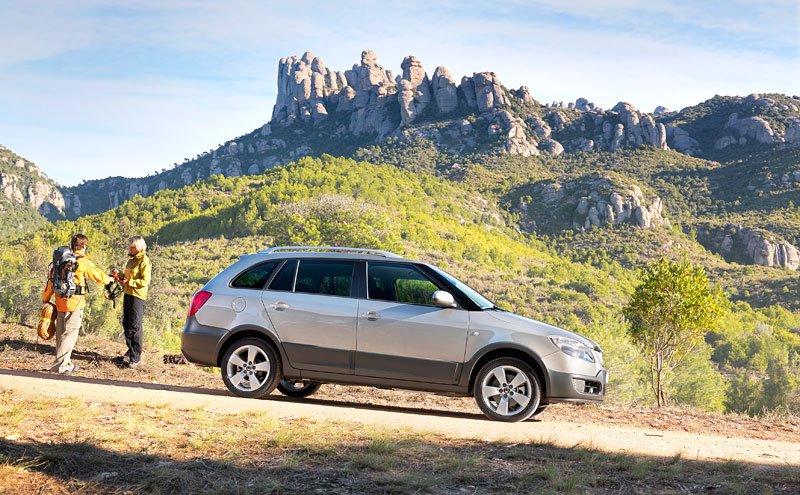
(444, 90)
(680, 140)
(591, 201)
(742, 131)
(758, 247)
(621, 127)
(633, 129)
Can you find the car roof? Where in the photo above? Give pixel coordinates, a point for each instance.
(325, 252)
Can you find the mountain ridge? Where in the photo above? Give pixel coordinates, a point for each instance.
(367, 105)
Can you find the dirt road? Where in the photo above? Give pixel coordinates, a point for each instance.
(457, 425)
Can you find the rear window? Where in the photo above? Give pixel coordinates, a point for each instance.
(255, 277)
(329, 277)
(284, 280)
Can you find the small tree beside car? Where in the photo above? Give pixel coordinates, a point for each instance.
(670, 313)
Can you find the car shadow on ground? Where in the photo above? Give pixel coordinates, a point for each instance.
(214, 392)
(112, 382)
(90, 357)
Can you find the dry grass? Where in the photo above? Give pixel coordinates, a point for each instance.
(73, 446)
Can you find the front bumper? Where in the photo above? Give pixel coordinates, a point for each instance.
(571, 387)
(200, 343)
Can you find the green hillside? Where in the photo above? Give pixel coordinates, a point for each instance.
(575, 279)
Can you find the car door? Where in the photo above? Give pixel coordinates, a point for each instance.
(309, 304)
(401, 335)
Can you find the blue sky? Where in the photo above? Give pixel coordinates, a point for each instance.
(91, 89)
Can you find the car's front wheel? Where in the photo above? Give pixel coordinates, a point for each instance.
(539, 410)
(298, 388)
(507, 389)
(250, 368)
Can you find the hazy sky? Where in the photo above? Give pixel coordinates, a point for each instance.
(91, 89)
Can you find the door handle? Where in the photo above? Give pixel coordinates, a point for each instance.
(372, 315)
(279, 306)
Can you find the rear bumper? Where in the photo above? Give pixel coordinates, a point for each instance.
(200, 344)
(570, 387)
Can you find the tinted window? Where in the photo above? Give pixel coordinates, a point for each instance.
(330, 277)
(255, 277)
(284, 280)
(400, 283)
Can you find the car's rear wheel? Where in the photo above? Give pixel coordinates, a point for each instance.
(250, 368)
(298, 388)
(507, 389)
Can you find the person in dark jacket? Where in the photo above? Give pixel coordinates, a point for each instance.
(135, 281)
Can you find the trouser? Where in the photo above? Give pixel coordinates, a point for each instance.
(68, 325)
(132, 316)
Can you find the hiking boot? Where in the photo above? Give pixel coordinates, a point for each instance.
(133, 364)
(126, 359)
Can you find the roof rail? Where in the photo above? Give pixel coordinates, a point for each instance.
(330, 249)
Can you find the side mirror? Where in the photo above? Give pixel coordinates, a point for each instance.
(443, 299)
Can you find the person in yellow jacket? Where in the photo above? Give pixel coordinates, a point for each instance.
(135, 281)
(70, 310)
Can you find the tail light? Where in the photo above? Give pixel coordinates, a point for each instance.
(198, 300)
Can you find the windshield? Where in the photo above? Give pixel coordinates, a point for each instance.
(467, 290)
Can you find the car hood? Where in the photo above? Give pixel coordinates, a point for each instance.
(528, 325)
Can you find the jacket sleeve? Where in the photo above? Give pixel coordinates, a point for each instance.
(146, 272)
(93, 273)
(48, 291)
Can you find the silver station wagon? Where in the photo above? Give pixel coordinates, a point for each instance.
(297, 317)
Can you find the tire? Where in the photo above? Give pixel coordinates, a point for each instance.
(507, 390)
(539, 410)
(250, 368)
(298, 388)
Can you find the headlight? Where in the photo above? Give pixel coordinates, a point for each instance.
(574, 348)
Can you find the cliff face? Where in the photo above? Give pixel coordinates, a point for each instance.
(23, 185)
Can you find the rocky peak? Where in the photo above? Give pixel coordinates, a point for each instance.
(444, 90)
(621, 127)
(308, 91)
(585, 105)
(489, 93)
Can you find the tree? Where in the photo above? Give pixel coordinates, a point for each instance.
(668, 315)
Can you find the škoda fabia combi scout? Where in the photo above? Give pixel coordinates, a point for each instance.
(297, 317)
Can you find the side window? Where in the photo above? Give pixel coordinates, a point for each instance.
(329, 277)
(399, 282)
(284, 280)
(255, 277)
